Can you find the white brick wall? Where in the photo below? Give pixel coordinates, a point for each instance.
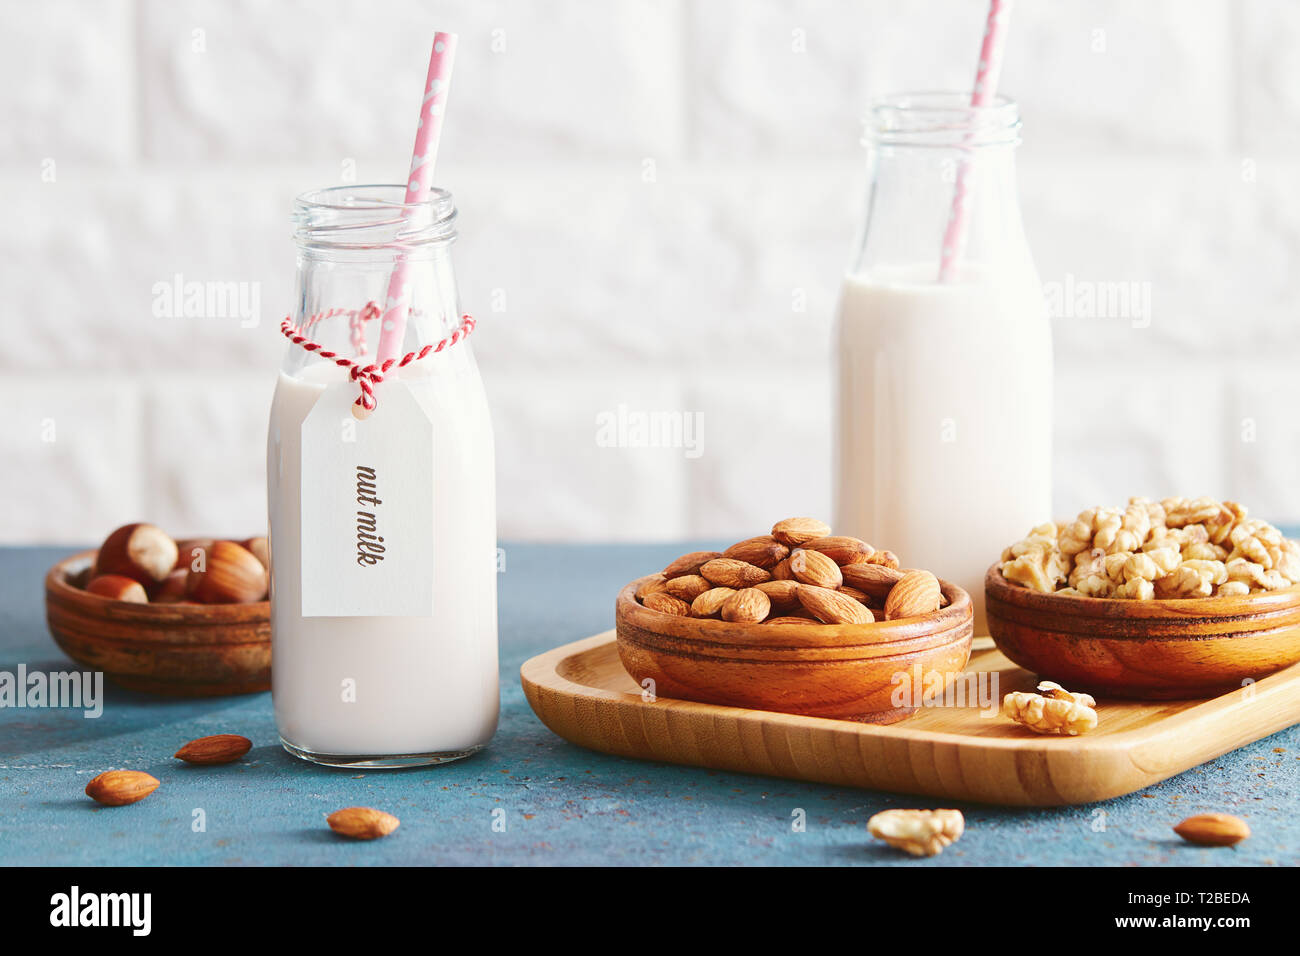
(144, 138)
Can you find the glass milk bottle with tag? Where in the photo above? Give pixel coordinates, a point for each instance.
(383, 524)
(943, 438)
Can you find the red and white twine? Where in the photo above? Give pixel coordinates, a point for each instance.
(366, 376)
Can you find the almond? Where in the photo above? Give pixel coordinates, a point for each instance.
(650, 586)
(884, 558)
(1213, 829)
(841, 549)
(667, 604)
(746, 606)
(116, 788)
(362, 823)
(795, 531)
(860, 596)
(832, 607)
(813, 567)
(875, 579)
(730, 573)
(690, 563)
(781, 571)
(219, 748)
(762, 552)
(710, 602)
(790, 619)
(782, 594)
(687, 587)
(917, 592)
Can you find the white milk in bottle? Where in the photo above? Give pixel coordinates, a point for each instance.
(383, 528)
(944, 414)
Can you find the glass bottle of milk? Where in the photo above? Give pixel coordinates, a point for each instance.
(383, 526)
(943, 440)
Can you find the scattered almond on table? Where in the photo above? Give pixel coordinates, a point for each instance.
(1213, 829)
(1053, 710)
(218, 748)
(799, 573)
(117, 788)
(362, 823)
(918, 832)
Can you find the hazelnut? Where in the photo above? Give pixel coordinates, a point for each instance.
(141, 552)
(260, 549)
(172, 588)
(231, 575)
(117, 587)
(185, 552)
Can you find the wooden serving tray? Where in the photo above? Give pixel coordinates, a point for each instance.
(581, 692)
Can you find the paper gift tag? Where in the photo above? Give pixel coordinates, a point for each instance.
(367, 506)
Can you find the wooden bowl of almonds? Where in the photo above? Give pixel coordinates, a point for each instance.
(1176, 599)
(798, 621)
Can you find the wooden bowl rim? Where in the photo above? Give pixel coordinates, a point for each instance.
(57, 587)
(1180, 609)
(958, 612)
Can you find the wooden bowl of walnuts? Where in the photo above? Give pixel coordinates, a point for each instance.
(1177, 599)
(798, 621)
(185, 618)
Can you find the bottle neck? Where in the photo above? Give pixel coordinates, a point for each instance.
(931, 159)
(350, 239)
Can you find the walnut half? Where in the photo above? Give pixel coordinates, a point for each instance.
(1053, 710)
(918, 832)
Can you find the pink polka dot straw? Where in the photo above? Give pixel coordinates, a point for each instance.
(397, 303)
(986, 85)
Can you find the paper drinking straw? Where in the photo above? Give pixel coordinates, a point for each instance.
(392, 326)
(986, 85)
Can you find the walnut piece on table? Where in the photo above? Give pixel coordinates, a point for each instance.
(1053, 710)
(918, 832)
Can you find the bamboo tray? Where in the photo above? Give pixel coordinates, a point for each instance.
(581, 692)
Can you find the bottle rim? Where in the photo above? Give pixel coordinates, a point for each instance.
(372, 216)
(942, 119)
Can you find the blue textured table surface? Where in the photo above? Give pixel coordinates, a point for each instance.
(561, 804)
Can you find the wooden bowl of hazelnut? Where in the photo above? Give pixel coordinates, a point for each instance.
(1177, 599)
(186, 618)
(798, 621)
